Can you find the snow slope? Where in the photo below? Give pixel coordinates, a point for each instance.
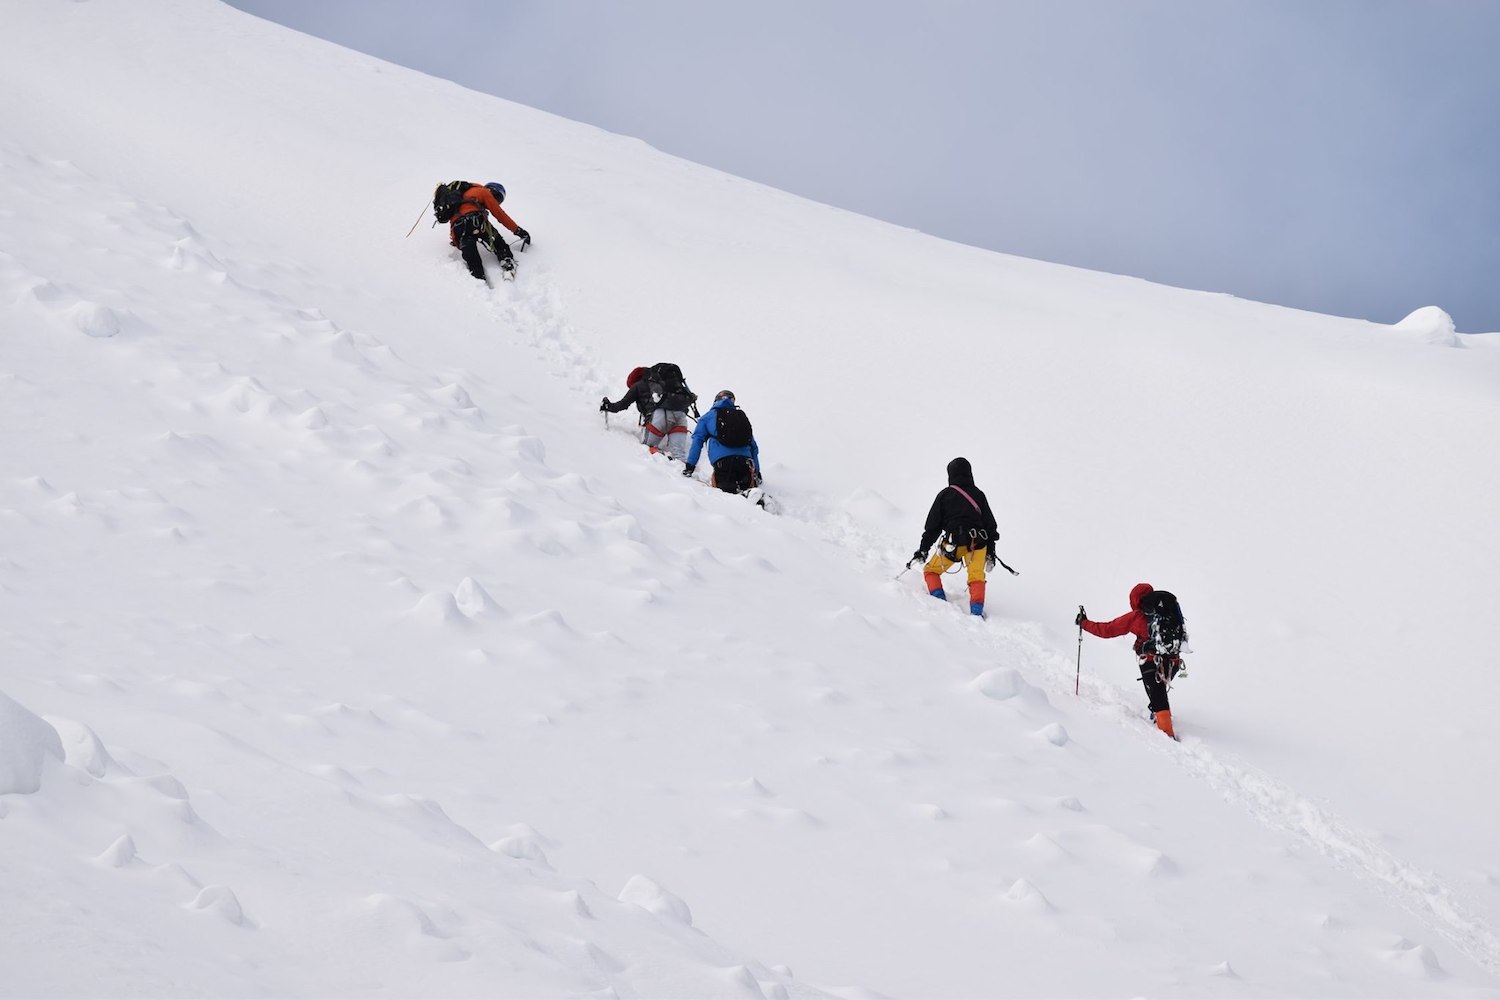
(346, 652)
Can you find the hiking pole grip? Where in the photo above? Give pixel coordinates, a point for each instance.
(1078, 671)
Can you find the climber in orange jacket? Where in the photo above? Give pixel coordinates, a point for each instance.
(471, 226)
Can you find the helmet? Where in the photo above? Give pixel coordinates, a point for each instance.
(724, 394)
(498, 190)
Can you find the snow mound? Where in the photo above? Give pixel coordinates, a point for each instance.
(1432, 326)
(646, 894)
(26, 744)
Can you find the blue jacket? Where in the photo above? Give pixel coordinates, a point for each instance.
(708, 426)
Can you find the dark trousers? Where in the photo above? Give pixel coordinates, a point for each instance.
(734, 473)
(1156, 682)
(470, 231)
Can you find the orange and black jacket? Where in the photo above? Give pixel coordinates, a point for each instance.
(486, 199)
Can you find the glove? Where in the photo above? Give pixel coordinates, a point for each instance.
(1081, 618)
(989, 561)
(688, 468)
(916, 557)
(524, 237)
(604, 404)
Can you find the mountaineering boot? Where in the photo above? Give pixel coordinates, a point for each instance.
(935, 585)
(1164, 723)
(976, 598)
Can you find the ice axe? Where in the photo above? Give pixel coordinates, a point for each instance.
(909, 564)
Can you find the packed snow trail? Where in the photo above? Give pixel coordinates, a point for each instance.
(538, 312)
(1271, 802)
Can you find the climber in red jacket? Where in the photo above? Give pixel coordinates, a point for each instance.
(1156, 676)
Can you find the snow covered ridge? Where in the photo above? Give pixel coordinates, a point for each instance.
(347, 651)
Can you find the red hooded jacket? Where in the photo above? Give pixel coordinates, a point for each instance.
(1132, 622)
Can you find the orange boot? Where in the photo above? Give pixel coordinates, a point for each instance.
(1164, 723)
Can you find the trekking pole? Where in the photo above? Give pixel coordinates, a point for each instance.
(419, 220)
(1078, 671)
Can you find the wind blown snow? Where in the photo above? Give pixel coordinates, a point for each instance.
(349, 651)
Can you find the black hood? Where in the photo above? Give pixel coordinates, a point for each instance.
(959, 473)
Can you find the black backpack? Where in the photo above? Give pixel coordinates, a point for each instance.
(666, 385)
(1166, 630)
(447, 197)
(732, 427)
(665, 379)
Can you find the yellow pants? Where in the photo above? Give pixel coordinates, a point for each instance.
(973, 561)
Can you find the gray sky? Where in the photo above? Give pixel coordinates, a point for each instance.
(1335, 155)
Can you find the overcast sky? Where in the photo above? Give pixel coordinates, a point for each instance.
(1335, 155)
